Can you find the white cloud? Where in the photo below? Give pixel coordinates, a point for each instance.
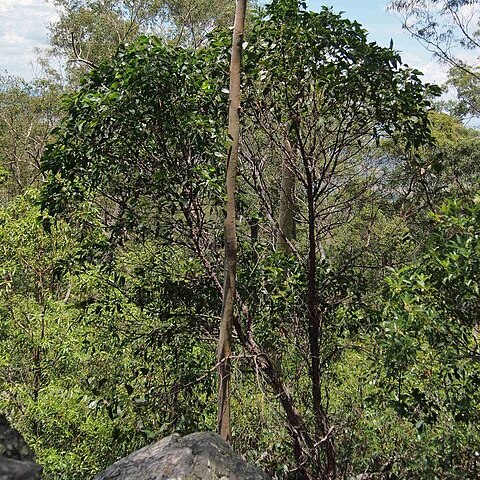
(23, 28)
(433, 71)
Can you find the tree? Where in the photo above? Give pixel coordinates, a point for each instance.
(321, 95)
(467, 84)
(286, 209)
(65, 317)
(428, 338)
(418, 182)
(193, 21)
(230, 230)
(140, 143)
(90, 31)
(40, 338)
(28, 112)
(448, 29)
(442, 26)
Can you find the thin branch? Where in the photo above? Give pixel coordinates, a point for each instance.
(78, 58)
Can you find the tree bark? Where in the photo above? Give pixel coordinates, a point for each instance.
(287, 206)
(328, 471)
(229, 284)
(302, 442)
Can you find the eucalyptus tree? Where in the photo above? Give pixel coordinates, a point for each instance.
(90, 31)
(230, 229)
(444, 27)
(466, 82)
(28, 112)
(450, 30)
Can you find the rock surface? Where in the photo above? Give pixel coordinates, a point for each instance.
(16, 459)
(199, 456)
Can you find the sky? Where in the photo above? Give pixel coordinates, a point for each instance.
(23, 29)
(383, 26)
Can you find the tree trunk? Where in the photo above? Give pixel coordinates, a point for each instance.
(287, 206)
(225, 337)
(322, 424)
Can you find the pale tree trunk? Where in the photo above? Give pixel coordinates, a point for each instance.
(287, 206)
(225, 338)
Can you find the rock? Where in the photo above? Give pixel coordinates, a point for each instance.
(19, 469)
(16, 458)
(199, 456)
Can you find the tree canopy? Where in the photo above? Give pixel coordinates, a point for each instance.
(354, 340)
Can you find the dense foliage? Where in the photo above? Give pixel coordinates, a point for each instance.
(355, 336)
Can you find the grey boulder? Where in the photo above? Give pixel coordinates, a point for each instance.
(19, 469)
(16, 459)
(199, 456)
